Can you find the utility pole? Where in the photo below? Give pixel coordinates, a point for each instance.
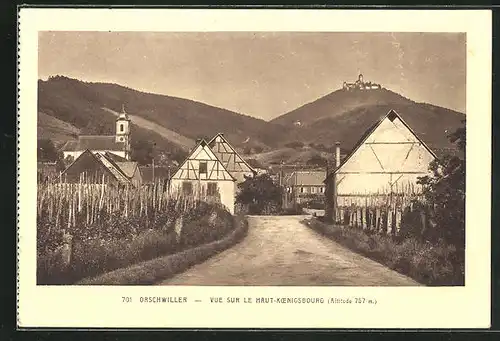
(153, 166)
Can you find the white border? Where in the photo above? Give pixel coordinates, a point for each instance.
(438, 307)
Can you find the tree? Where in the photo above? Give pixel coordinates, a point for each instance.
(317, 160)
(142, 152)
(261, 194)
(47, 152)
(444, 192)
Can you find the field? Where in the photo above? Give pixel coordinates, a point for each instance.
(87, 229)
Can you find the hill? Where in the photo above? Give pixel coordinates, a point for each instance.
(87, 106)
(49, 127)
(345, 115)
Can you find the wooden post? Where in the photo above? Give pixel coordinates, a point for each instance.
(358, 217)
(364, 215)
(398, 220)
(389, 220)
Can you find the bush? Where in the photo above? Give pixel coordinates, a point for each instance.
(439, 264)
(212, 226)
(444, 192)
(100, 249)
(153, 271)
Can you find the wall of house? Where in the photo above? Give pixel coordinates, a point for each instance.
(226, 190)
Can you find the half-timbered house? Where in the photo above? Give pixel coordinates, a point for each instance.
(389, 158)
(202, 174)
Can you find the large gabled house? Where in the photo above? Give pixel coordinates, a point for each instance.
(203, 175)
(388, 158)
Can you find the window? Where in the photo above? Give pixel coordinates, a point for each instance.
(121, 139)
(322, 189)
(121, 127)
(187, 188)
(301, 189)
(203, 168)
(211, 188)
(313, 189)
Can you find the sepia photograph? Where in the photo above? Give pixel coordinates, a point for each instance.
(252, 158)
(231, 166)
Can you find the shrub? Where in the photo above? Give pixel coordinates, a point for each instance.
(212, 226)
(430, 264)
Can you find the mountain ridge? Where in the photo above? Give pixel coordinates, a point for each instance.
(338, 116)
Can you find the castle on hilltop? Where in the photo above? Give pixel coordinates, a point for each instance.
(360, 84)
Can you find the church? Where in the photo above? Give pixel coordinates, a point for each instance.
(118, 144)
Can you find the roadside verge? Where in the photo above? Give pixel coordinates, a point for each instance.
(162, 268)
(429, 264)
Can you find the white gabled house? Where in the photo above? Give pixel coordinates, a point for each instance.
(203, 174)
(230, 158)
(388, 158)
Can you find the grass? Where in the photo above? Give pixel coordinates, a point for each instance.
(93, 257)
(162, 268)
(430, 264)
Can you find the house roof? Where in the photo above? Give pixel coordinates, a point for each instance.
(128, 167)
(307, 178)
(93, 142)
(228, 149)
(113, 167)
(203, 144)
(369, 131)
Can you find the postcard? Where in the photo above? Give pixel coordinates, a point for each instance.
(254, 168)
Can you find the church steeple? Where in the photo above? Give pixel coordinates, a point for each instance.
(123, 131)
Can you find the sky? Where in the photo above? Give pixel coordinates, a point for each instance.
(261, 74)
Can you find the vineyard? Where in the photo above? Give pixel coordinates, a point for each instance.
(85, 229)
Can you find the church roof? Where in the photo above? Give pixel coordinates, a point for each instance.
(93, 142)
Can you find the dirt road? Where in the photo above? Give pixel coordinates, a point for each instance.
(279, 250)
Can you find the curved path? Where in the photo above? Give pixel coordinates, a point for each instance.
(279, 250)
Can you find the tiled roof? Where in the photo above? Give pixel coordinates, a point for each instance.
(114, 157)
(307, 178)
(128, 168)
(113, 168)
(93, 142)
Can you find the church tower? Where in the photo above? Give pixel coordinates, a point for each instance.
(123, 132)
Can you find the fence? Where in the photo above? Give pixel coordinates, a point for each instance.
(380, 212)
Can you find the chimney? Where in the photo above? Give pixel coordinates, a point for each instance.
(198, 140)
(337, 154)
